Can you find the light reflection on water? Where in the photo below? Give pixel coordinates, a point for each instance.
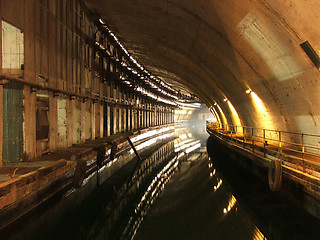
(223, 205)
(183, 145)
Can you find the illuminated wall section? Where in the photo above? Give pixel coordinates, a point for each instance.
(215, 115)
(223, 117)
(235, 117)
(264, 120)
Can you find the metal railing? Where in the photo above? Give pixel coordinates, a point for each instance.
(300, 145)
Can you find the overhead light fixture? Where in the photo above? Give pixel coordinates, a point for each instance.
(248, 91)
(311, 53)
(215, 104)
(225, 100)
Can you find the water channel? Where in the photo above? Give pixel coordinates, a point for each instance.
(185, 189)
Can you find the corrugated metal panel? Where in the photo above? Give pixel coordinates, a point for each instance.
(12, 122)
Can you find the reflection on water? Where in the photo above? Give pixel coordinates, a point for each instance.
(196, 204)
(154, 189)
(178, 192)
(184, 145)
(263, 213)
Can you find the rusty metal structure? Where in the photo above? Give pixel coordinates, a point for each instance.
(74, 79)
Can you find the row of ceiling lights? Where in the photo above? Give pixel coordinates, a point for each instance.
(226, 99)
(140, 72)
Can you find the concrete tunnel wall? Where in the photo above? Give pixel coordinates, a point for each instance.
(219, 49)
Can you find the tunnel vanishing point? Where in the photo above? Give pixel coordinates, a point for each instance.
(80, 77)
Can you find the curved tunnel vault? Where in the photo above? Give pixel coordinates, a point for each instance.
(84, 81)
(218, 50)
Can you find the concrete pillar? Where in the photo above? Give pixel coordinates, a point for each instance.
(154, 118)
(102, 89)
(53, 117)
(69, 123)
(101, 129)
(133, 116)
(108, 120)
(106, 115)
(123, 117)
(120, 118)
(158, 115)
(163, 115)
(82, 121)
(123, 120)
(115, 125)
(116, 121)
(141, 117)
(138, 113)
(167, 116)
(152, 115)
(148, 114)
(127, 128)
(130, 118)
(127, 117)
(30, 122)
(138, 118)
(144, 114)
(93, 115)
(172, 116)
(125, 113)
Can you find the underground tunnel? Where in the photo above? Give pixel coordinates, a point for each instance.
(159, 119)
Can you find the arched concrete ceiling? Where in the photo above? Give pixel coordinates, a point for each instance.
(218, 49)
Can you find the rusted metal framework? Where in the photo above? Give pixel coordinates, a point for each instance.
(77, 82)
(301, 147)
